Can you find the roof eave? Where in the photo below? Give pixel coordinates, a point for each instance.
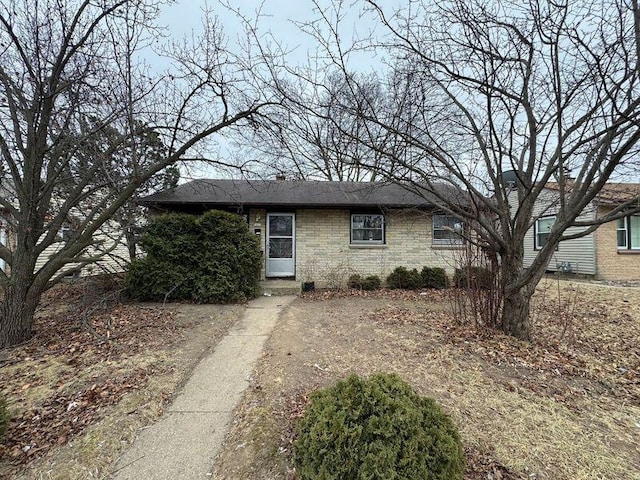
(150, 203)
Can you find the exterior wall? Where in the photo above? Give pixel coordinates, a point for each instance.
(612, 263)
(258, 222)
(113, 262)
(580, 253)
(324, 253)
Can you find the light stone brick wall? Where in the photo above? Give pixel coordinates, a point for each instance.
(257, 220)
(614, 264)
(324, 254)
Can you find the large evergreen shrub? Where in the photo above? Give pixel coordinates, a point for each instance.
(211, 259)
(376, 429)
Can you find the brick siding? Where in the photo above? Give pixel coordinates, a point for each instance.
(324, 253)
(614, 264)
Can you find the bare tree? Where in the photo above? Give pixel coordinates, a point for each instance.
(540, 88)
(70, 70)
(317, 137)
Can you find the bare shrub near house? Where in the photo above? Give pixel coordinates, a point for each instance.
(476, 297)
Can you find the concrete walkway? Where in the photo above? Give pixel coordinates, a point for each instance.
(185, 441)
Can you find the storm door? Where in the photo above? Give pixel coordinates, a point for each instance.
(281, 245)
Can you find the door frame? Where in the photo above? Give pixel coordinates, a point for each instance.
(267, 273)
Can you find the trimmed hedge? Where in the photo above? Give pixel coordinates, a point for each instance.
(403, 278)
(372, 282)
(376, 428)
(473, 278)
(429, 277)
(434, 277)
(210, 259)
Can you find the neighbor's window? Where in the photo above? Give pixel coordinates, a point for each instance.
(64, 234)
(65, 231)
(447, 230)
(629, 233)
(542, 229)
(367, 228)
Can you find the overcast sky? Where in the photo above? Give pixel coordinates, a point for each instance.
(184, 16)
(279, 17)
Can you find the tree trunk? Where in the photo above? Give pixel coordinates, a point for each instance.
(17, 310)
(515, 314)
(516, 301)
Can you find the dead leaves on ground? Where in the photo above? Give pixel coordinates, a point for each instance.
(585, 350)
(82, 359)
(586, 347)
(64, 415)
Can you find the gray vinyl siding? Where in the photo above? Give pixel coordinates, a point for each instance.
(579, 253)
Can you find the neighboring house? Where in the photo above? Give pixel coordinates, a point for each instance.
(612, 252)
(108, 244)
(108, 239)
(324, 231)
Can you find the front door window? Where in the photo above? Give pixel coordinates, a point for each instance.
(280, 245)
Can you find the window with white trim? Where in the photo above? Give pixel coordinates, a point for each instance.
(628, 233)
(367, 229)
(542, 231)
(447, 230)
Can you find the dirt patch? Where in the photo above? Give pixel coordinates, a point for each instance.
(96, 372)
(565, 406)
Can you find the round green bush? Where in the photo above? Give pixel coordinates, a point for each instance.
(211, 259)
(376, 429)
(403, 278)
(434, 277)
(372, 282)
(355, 282)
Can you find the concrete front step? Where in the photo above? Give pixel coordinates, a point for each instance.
(281, 287)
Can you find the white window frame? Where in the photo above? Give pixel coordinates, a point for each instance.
(536, 231)
(446, 241)
(627, 234)
(371, 241)
(625, 229)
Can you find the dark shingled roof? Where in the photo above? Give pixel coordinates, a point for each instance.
(296, 193)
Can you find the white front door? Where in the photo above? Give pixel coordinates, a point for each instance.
(281, 245)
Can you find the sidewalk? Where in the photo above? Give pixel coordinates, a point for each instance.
(185, 441)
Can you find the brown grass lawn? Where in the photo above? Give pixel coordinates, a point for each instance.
(96, 371)
(565, 406)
